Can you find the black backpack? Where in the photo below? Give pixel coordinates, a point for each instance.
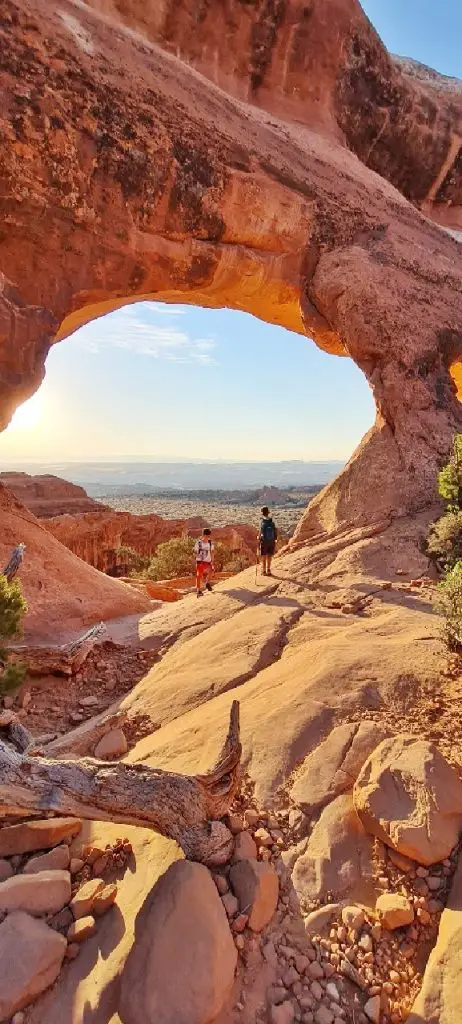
(268, 532)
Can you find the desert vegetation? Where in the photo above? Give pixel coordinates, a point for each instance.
(12, 609)
(445, 547)
(175, 557)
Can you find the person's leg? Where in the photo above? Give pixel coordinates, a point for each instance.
(208, 577)
(198, 580)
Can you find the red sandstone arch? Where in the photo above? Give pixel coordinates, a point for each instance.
(127, 174)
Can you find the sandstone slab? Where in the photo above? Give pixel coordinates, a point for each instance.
(31, 955)
(46, 892)
(181, 932)
(338, 857)
(56, 860)
(112, 745)
(409, 796)
(256, 886)
(30, 836)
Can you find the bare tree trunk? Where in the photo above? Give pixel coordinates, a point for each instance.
(181, 807)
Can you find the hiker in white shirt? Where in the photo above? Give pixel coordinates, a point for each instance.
(203, 550)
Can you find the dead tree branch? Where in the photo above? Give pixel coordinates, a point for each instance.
(186, 808)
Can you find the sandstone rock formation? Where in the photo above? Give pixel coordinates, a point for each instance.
(62, 592)
(289, 189)
(439, 1000)
(96, 536)
(410, 797)
(31, 955)
(181, 928)
(47, 495)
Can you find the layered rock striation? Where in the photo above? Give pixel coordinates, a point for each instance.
(295, 180)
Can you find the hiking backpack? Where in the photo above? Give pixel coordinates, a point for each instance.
(268, 532)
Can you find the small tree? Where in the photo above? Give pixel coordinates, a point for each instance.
(174, 557)
(131, 559)
(12, 609)
(450, 477)
(449, 604)
(444, 545)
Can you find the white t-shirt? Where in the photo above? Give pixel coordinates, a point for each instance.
(203, 550)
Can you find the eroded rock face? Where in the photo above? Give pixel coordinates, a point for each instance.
(177, 190)
(97, 536)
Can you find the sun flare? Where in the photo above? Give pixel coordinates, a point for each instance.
(28, 415)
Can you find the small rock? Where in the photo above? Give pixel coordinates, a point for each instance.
(6, 869)
(104, 900)
(55, 860)
(420, 887)
(262, 837)
(315, 971)
(372, 1009)
(88, 702)
(230, 903)
(81, 929)
(269, 953)
(435, 906)
(434, 882)
(366, 943)
(323, 1015)
(240, 922)
(395, 911)
(72, 951)
(84, 899)
(290, 977)
(112, 745)
(19, 1018)
(422, 872)
(100, 865)
(333, 992)
(235, 824)
(62, 921)
(256, 886)
(239, 942)
(316, 989)
(353, 917)
(282, 1014)
(221, 884)
(423, 916)
(244, 848)
(76, 865)
(301, 963)
(251, 818)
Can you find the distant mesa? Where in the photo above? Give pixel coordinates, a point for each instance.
(47, 495)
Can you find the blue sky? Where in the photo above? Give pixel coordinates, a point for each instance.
(154, 381)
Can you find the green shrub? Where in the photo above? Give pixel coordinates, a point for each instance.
(174, 557)
(12, 609)
(131, 559)
(448, 603)
(450, 477)
(444, 545)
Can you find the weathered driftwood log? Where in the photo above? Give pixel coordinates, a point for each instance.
(183, 807)
(63, 660)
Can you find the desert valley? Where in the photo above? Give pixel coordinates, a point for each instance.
(245, 809)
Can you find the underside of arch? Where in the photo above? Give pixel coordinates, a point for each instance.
(127, 173)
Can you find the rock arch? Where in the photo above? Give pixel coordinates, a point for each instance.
(142, 158)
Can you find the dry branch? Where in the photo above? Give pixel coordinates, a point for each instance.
(186, 808)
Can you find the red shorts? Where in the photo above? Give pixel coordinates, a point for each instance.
(202, 568)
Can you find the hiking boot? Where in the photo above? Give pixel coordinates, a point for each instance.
(209, 586)
(199, 593)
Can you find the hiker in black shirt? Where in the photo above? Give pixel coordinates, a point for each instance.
(267, 540)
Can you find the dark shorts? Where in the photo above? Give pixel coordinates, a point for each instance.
(267, 547)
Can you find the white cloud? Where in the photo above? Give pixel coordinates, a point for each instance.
(135, 328)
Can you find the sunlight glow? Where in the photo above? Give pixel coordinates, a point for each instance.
(27, 416)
